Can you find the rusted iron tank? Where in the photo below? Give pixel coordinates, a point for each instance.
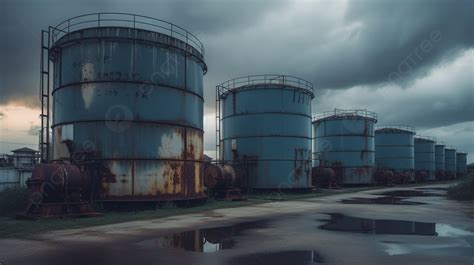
(439, 161)
(424, 158)
(267, 117)
(461, 163)
(129, 90)
(325, 177)
(450, 162)
(346, 138)
(395, 150)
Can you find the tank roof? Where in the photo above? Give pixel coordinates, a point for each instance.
(395, 129)
(268, 80)
(343, 114)
(133, 21)
(425, 139)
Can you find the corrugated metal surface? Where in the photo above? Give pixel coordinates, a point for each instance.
(345, 139)
(394, 149)
(450, 162)
(461, 163)
(271, 122)
(134, 98)
(425, 156)
(9, 178)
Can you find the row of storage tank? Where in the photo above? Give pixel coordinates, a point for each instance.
(348, 142)
(128, 112)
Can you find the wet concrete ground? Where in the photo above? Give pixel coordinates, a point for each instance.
(387, 226)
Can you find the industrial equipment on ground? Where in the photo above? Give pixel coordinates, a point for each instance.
(264, 128)
(394, 150)
(450, 162)
(439, 161)
(128, 103)
(461, 164)
(344, 142)
(424, 158)
(222, 181)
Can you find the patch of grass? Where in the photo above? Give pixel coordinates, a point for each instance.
(13, 200)
(464, 190)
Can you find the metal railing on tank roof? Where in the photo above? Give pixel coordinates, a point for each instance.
(396, 127)
(110, 19)
(270, 79)
(345, 113)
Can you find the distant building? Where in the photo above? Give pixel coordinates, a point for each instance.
(16, 169)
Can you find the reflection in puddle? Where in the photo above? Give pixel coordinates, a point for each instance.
(293, 257)
(411, 193)
(448, 249)
(381, 200)
(204, 240)
(340, 222)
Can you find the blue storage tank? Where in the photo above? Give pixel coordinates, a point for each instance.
(344, 141)
(461, 163)
(128, 92)
(439, 160)
(450, 162)
(425, 157)
(266, 130)
(395, 150)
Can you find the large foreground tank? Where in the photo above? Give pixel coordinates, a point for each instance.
(425, 158)
(344, 141)
(266, 126)
(394, 150)
(461, 163)
(450, 162)
(128, 93)
(439, 160)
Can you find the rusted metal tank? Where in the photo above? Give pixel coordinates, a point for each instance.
(345, 139)
(394, 150)
(461, 163)
(216, 175)
(424, 158)
(267, 117)
(450, 162)
(439, 160)
(128, 91)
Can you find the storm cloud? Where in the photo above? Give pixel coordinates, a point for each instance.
(409, 61)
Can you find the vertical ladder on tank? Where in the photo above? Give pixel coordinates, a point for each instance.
(44, 95)
(218, 123)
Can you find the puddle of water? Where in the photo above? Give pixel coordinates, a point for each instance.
(451, 249)
(410, 193)
(293, 257)
(204, 240)
(392, 200)
(340, 222)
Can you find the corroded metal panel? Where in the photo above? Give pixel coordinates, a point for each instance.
(439, 157)
(135, 106)
(345, 140)
(271, 124)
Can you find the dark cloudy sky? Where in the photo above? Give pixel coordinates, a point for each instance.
(411, 61)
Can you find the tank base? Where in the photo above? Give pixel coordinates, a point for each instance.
(58, 210)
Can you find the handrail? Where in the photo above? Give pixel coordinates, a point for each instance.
(345, 112)
(397, 127)
(424, 137)
(268, 79)
(441, 143)
(126, 20)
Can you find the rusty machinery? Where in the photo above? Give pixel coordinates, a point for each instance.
(222, 181)
(58, 190)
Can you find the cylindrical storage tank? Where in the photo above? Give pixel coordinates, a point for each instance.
(439, 160)
(461, 164)
(128, 92)
(344, 141)
(266, 129)
(425, 157)
(450, 162)
(395, 150)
